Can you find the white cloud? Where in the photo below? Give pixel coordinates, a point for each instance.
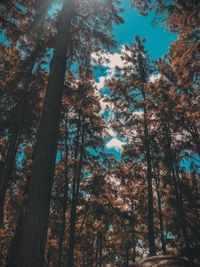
(111, 61)
(115, 143)
(111, 132)
(153, 78)
(138, 113)
(115, 60)
(101, 82)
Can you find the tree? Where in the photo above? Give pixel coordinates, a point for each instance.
(35, 220)
(17, 86)
(135, 75)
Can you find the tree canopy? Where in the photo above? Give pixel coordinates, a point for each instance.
(65, 198)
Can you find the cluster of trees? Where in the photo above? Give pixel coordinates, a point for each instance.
(64, 201)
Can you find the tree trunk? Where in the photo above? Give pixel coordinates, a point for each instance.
(75, 196)
(91, 252)
(193, 130)
(8, 168)
(133, 233)
(97, 252)
(70, 260)
(100, 249)
(83, 221)
(134, 248)
(160, 214)
(127, 254)
(65, 202)
(16, 129)
(30, 249)
(143, 79)
(151, 234)
(175, 179)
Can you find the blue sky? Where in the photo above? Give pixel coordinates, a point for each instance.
(158, 38)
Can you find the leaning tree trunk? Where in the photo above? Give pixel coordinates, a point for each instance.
(30, 248)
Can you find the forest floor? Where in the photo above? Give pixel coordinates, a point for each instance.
(164, 261)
